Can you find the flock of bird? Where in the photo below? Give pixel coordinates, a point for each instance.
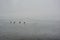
(15, 22)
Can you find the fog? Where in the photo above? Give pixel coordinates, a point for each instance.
(37, 9)
(41, 17)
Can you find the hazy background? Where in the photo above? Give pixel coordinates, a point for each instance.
(42, 19)
(38, 9)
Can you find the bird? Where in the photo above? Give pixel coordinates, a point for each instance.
(24, 22)
(19, 22)
(10, 21)
(14, 22)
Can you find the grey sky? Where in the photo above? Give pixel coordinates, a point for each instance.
(39, 9)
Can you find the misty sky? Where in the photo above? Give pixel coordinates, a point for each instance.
(38, 9)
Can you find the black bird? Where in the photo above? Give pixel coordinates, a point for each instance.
(19, 22)
(10, 21)
(24, 22)
(14, 22)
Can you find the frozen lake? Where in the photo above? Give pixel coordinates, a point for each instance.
(33, 29)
